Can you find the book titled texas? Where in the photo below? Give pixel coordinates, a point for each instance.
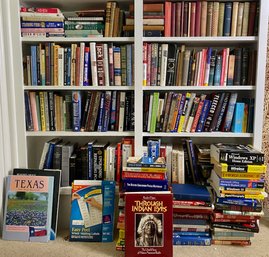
(149, 224)
(28, 208)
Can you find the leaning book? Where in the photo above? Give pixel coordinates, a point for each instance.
(28, 208)
(148, 224)
(92, 211)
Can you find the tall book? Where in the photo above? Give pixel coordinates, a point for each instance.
(28, 197)
(56, 192)
(148, 224)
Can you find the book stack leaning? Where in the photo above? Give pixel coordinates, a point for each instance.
(192, 208)
(148, 208)
(238, 183)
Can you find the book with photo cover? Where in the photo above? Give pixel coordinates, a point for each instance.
(236, 154)
(149, 224)
(28, 208)
(56, 192)
(92, 211)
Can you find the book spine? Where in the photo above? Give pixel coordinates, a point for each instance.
(144, 185)
(76, 102)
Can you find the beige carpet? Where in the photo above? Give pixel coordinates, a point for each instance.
(62, 248)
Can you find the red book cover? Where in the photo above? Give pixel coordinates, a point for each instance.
(178, 20)
(167, 19)
(149, 224)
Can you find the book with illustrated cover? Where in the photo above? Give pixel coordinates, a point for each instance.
(236, 154)
(56, 190)
(148, 224)
(92, 211)
(28, 208)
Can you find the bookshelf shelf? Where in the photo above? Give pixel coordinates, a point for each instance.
(201, 135)
(79, 134)
(199, 88)
(75, 39)
(123, 88)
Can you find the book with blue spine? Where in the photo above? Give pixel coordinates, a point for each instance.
(107, 111)
(180, 112)
(101, 112)
(217, 72)
(34, 65)
(129, 65)
(113, 110)
(133, 185)
(227, 19)
(76, 102)
(203, 116)
(237, 201)
(87, 66)
(68, 66)
(222, 111)
(41, 24)
(191, 240)
(237, 124)
(190, 233)
(191, 192)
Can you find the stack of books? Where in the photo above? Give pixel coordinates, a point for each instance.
(153, 20)
(192, 208)
(238, 182)
(41, 22)
(85, 23)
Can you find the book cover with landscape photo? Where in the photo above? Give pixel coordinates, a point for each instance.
(148, 229)
(28, 208)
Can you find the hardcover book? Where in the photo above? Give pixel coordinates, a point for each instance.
(149, 224)
(92, 211)
(28, 208)
(56, 189)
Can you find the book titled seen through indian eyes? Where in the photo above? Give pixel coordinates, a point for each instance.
(28, 208)
(148, 224)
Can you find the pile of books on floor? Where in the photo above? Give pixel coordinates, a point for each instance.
(140, 174)
(238, 183)
(41, 22)
(192, 208)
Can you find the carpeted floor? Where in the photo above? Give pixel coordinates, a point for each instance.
(62, 248)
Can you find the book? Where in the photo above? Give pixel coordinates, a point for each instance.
(148, 224)
(236, 154)
(56, 192)
(28, 197)
(92, 211)
(148, 162)
(191, 240)
(190, 192)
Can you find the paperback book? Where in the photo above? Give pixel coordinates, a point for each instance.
(92, 211)
(28, 208)
(149, 224)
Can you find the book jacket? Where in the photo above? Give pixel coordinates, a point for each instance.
(92, 211)
(28, 208)
(149, 224)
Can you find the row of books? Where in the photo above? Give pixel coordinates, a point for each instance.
(175, 65)
(238, 181)
(190, 112)
(51, 22)
(90, 161)
(96, 64)
(214, 18)
(92, 111)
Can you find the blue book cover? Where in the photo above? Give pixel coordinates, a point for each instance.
(237, 201)
(86, 67)
(227, 19)
(130, 185)
(92, 211)
(237, 124)
(113, 110)
(129, 65)
(28, 208)
(222, 111)
(107, 111)
(68, 66)
(180, 111)
(90, 159)
(190, 233)
(203, 116)
(42, 24)
(34, 65)
(76, 101)
(191, 240)
(190, 192)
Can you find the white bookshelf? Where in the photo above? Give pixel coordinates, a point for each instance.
(29, 144)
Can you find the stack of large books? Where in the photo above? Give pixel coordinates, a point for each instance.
(41, 22)
(192, 208)
(238, 182)
(85, 23)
